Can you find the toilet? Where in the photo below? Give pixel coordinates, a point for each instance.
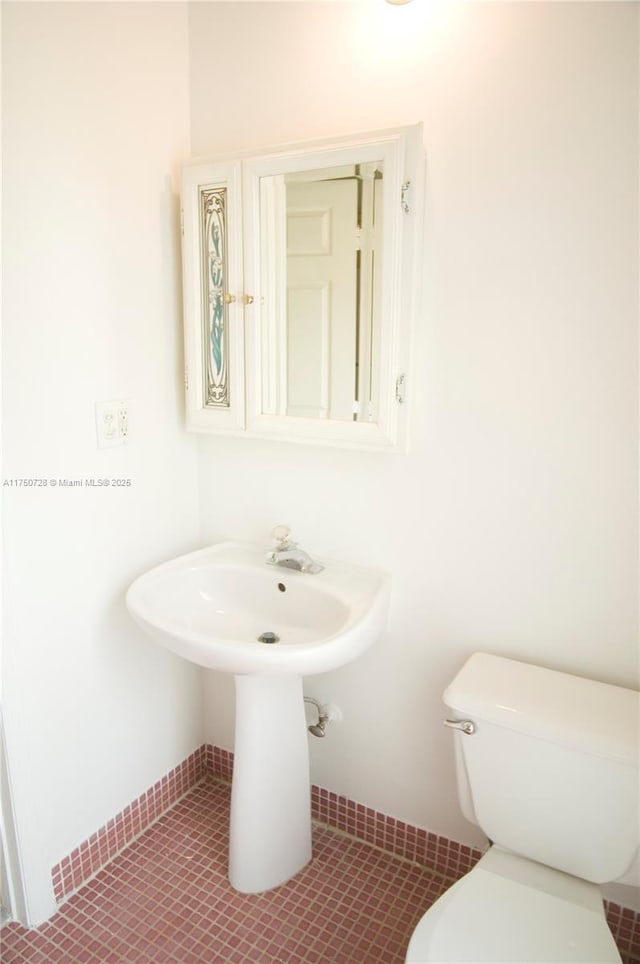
(547, 766)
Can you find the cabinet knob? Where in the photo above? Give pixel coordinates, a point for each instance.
(229, 299)
(247, 299)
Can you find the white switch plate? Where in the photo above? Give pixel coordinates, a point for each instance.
(112, 422)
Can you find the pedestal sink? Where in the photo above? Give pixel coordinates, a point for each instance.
(224, 608)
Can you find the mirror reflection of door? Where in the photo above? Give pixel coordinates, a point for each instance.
(320, 237)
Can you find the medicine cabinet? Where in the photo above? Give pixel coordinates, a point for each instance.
(301, 267)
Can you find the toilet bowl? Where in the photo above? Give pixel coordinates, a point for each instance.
(509, 910)
(547, 767)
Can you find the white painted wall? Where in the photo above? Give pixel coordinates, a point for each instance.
(96, 122)
(512, 525)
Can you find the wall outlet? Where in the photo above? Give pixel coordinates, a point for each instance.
(123, 420)
(112, 423)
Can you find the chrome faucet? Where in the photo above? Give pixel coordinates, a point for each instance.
(287, 554)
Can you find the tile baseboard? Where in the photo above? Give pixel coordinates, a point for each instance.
(102, 846)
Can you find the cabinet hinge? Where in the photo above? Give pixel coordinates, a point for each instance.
(401, 388)
(405, 197)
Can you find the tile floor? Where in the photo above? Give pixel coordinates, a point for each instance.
(166, 899)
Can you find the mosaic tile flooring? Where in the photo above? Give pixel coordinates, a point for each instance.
(166, 899)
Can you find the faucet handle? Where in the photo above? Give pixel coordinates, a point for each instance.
(281, 536)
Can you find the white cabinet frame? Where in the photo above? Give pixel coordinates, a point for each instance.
(250, 355)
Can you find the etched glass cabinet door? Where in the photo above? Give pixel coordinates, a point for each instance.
(213, 298)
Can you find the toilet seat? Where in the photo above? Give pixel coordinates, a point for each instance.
(509, 910)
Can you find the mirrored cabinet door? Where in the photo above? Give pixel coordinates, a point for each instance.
(320, 260)
(321, 284)
(309, 289)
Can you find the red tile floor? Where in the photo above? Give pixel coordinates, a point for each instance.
(166, 899)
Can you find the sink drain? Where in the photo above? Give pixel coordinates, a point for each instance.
(268, 638)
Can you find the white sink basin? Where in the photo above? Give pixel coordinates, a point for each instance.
(212, 605)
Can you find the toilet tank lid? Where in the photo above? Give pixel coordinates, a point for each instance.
(582, 714)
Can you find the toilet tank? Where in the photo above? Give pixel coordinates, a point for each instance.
(551, 771)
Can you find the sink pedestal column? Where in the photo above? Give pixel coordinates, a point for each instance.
(270, 833)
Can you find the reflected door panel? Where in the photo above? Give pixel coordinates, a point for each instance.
(308, 326)
(322, 239)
